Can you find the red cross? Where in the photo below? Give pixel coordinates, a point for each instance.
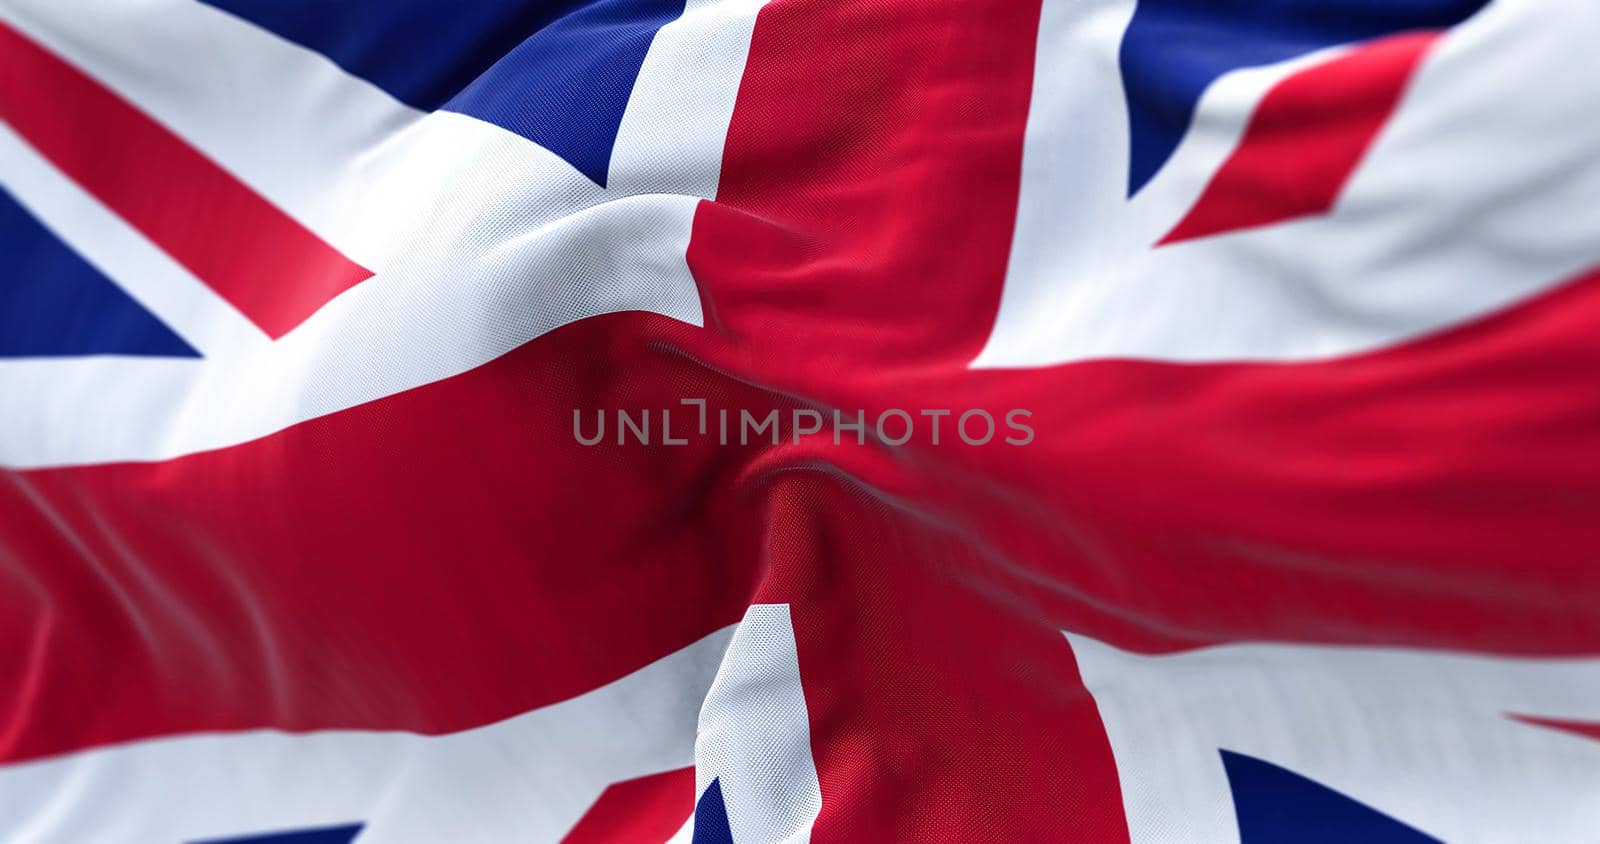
(448, 556)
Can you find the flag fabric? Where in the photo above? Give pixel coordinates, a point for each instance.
(783, 420)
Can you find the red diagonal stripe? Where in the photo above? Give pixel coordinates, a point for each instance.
(274, 270)
(1586, 729)
(1305, 140)
(646, 810)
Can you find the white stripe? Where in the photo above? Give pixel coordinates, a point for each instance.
(673, 132)
(755, 734)
(357, 166)
(481, 240)
(1422, 737)
(528, 778)
(1477, 195)
(319, 143)
(212, 326)
(430, 321)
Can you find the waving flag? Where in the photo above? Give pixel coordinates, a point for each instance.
(783, 420)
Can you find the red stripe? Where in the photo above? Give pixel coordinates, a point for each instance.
(857, 248)
(1305, 139)
(1586, 729)
(942, 708)
(437, 560)
(646, 810)
(263, 262)
(1434, 495)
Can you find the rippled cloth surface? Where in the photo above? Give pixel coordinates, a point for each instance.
(1183, 420)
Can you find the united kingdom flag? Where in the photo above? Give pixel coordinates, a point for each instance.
(1177, 420)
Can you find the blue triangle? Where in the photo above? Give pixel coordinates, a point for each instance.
(1275, 805)
(343, 834)
(711, 817)
(54, 303)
